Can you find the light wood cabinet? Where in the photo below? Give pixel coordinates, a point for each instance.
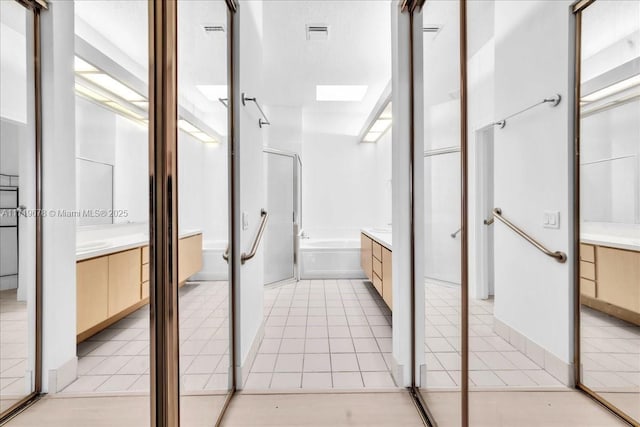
(387, 277)
(124, 280)
(376, 261)
(189, 257)
(92, 293)
(610, 281)
(366, 256)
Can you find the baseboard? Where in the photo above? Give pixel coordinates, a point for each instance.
(245, 368)
(63, 376)
(556, 367)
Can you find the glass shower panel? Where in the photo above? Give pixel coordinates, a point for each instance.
(610, 203)
(203, 203)
(440, 380)
(17, 189)
(279, 234)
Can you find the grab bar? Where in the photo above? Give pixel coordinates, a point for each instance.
(225, 255)
(254, 248)
(561, 257)
(455, 233)
(261, 122)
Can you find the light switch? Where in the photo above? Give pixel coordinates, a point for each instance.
(551, 219)
(245, 220)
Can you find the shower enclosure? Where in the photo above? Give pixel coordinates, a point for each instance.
(282, 181)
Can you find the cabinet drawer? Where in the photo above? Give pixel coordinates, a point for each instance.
(377, 283)
(587, 270)
(587, 253)
(145, 273)
(377, 267)
(377, 250)
(588, 288)
(145, 254)
(144, 290)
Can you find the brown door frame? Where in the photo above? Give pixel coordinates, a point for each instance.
(36, 7)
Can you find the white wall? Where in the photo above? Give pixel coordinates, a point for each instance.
(532, 158)
(248, 150)
(58, 151)
(339, 186)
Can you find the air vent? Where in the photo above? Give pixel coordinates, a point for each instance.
(431, 29)
(213, 28)
(317, 32)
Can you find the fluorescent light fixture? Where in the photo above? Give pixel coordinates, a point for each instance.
(187, 127)
(142, 104)
(372, 136)
(613, 89)
(82, 66)
(112, 85)
(90, 93)
(203, 137)
(124, 110)
(386, 114)
(213, 92)
(380, 125)
(341, 93)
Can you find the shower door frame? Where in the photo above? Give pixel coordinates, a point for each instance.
(297, 207)
(35, 7)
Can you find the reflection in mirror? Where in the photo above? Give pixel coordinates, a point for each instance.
(205, 359)
(17, 188)
(610, 202)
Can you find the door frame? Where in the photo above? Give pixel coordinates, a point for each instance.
(577, 8)
(36, 7)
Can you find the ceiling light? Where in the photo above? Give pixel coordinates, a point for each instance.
(380, 125)
(340, 92)
(187, 127)
(372, 136)
(203, 137)
(142, 104)
(124, 110)
(90, 93)
(386, 114)
(213, 92)
(612, 89)
(114, 86)
(82, 66)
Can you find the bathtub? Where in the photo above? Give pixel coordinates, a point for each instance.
(330, 259)
(214, 267)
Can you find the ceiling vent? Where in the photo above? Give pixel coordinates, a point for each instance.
(317, 32)
(213, 28)
(431, 29)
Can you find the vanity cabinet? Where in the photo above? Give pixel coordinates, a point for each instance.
(111, 286)
(376, 262)
(610, 281)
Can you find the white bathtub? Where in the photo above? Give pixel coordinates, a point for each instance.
(214, 267)
(330, 259)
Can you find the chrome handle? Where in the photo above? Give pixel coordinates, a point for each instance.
(254, 248)
(455, 233)
(561, 257)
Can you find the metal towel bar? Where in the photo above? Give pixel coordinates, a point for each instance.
(561, 257)
(254, 248)
(261, 122)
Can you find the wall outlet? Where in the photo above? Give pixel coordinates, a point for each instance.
(551, 219)
(245, 220)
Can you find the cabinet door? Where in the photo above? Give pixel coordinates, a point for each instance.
(189, 257)
(366, 255)
(387, 277)
(618, 273)
(124, 280)
(92, 281)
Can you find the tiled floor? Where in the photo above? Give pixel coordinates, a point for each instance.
(324, 334)
(493, 362)
(13, 348)
(610, 352)
(117, 359)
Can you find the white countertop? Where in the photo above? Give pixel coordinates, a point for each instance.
(613, 235)
(380, 235)
(100, 243)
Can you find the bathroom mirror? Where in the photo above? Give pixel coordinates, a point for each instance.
(609, 177)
